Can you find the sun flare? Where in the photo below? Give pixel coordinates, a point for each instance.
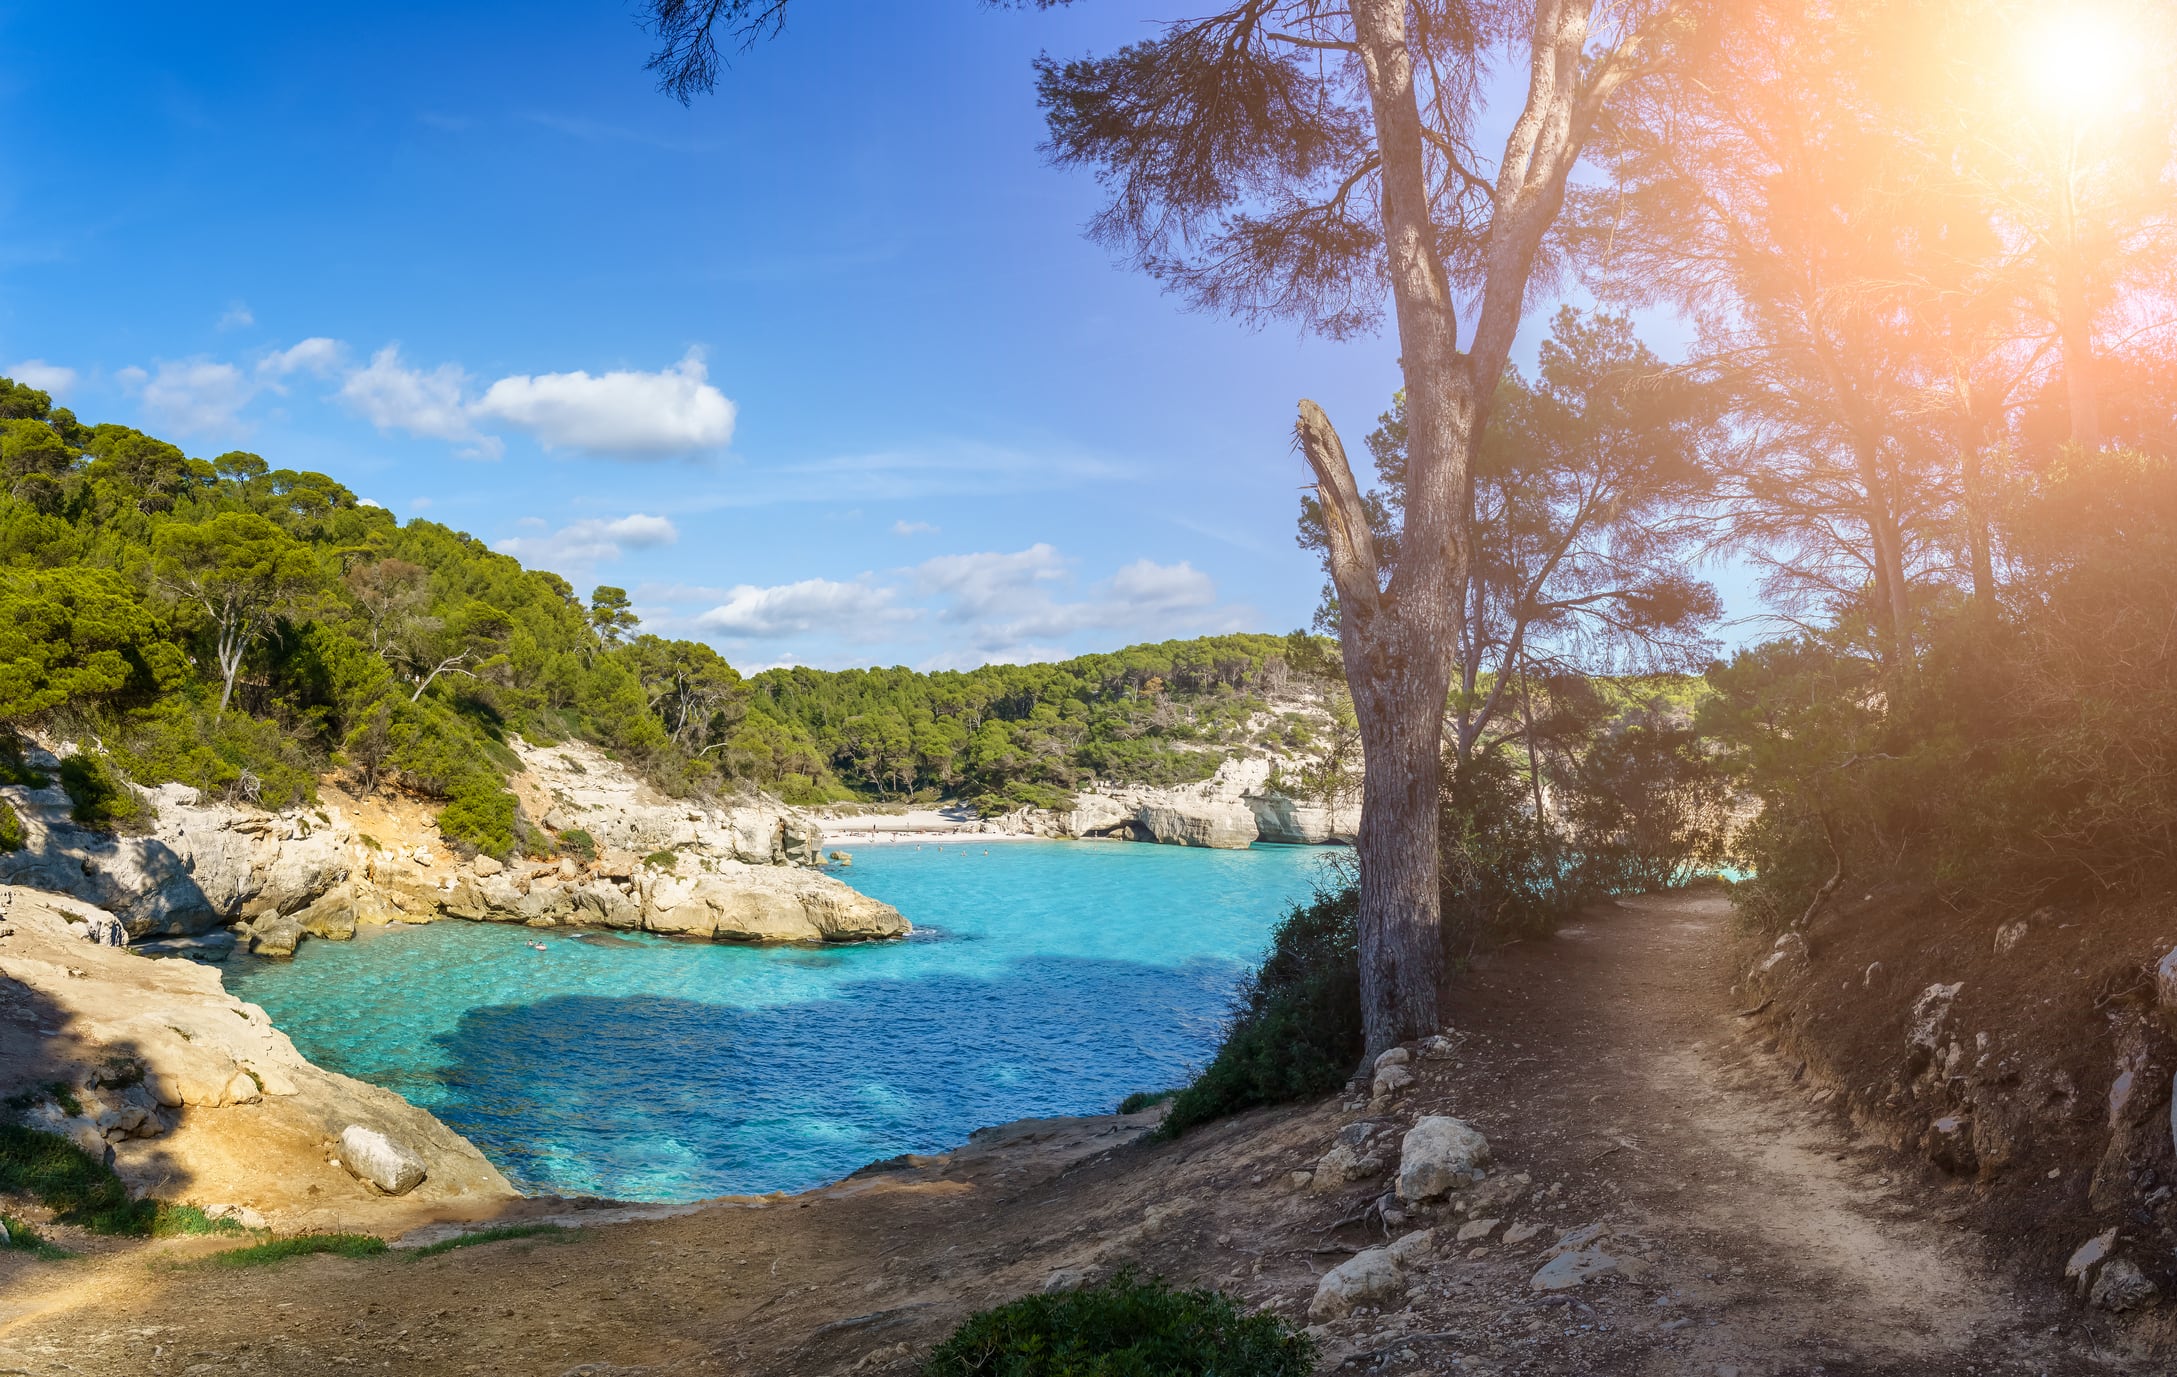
(2079, 61)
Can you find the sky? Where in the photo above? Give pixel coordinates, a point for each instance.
(820, 368)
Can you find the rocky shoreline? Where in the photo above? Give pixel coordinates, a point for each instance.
(209, 877)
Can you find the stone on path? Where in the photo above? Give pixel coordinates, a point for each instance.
(1367, 1278)
(1567, 1270)
(1439, 1155)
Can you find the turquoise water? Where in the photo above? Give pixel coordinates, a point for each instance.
(1044, 978)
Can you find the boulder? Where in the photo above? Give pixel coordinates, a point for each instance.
(1440, 1155)
(376, 1160)
(1929, 1010)
(1366, 1278)
(1353, 1156)
(1390, 1080)
(1411, 1250)
(275, 935)
(2121, 1286)
(1213, 823)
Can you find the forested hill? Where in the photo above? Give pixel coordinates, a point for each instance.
(245, 629)
(1006, 735)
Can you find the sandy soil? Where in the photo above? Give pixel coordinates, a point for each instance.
(1760, 1237)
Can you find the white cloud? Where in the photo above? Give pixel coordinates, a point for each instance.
(316, 355)
(621, 415)
(852, 611)
(192, 396)
(366, 502)
(46, 377)
(238, 316)
(592, 541)
(1011, 603)
(913, 528)
(392, 396)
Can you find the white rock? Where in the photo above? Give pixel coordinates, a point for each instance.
(1411, 1250)
(1396, 1056)
(1521, 1232)
(1368, 1278)
(1567, 1270)
(2009, 936)
(2165, 980)
(1477, 1228)
(1439, 1155)
(1390, 1080)
(372, 1157)
(1928, 1013)
(2088, 1256)
(1353, 1156)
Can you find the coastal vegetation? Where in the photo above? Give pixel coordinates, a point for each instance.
(1123, 1327)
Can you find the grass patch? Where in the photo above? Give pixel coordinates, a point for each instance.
(1144, 1099)
(505, 1231)
(1295, 1031)
(301, 1245)
(1123, 1328)
(82, 1190)
(578, 844)
(21, 1235)
(663, 860)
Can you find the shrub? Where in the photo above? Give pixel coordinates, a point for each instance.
(1144, 1099)
(1123, 1328)
(300, 1245)
(229, 755)
(77, 1187)
(12, 835)
(1295, 1031)
(101, 798)
(578, 843)
(480, 816)
(662, 860)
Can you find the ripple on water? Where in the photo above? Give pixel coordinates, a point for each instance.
(1044, 978)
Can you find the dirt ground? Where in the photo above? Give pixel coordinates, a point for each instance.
(1759, 1237)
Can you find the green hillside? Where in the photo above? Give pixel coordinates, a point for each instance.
(244, 629)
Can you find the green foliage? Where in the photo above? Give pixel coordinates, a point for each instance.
(12, 835)
(1295, 1031)
(19, 1235)
(76, 637)
(99, 796)
(554, 1232)
(2023, 755)
(230, 755)
(77, 1187)
(480, 817)
(579, 844)
(1144, 1099)
(1126, 1327)
(662, 860)
(299, 1245)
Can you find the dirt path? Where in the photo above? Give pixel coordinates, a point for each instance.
(1758, 1239)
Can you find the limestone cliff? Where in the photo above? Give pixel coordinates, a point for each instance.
(198, 1097)
(729, 872)
(1232, 809)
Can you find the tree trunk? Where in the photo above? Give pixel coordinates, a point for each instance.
(1399, 706)
(2075, 329)
(1973, 481)
(1893, 597)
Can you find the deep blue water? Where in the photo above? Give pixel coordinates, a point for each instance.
(1044, 978)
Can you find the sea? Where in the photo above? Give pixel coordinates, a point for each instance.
(1043, 978)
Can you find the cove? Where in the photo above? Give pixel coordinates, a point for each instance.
(1044, 978)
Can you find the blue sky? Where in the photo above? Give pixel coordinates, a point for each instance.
(820, 367)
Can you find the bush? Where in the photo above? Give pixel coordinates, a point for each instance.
(1144, 1099)
(102, 799)
(579, 844)
(1123, 1328)
(479, 816)
(662, 860)
(229, 755)
(12, 835)
(1295, 1031)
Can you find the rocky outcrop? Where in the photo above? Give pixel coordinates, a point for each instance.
(733, 872)
(1231, 810)
(195, 1093)
(200, 867)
